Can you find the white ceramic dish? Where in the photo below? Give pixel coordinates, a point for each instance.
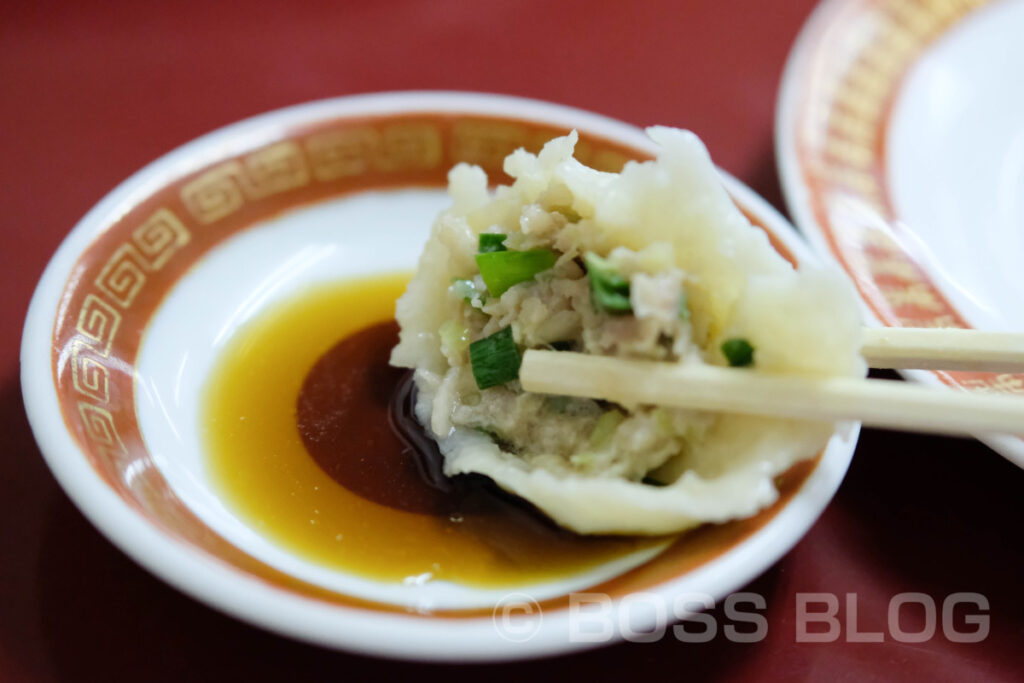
(131, 312)
(900, 141)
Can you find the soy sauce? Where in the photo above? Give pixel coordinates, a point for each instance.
(311, 438)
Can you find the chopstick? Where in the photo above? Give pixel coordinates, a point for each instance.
(943, 349)
(875, 402)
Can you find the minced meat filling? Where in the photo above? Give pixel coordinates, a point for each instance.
(556, 310)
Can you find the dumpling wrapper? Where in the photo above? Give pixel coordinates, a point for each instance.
(804, 321)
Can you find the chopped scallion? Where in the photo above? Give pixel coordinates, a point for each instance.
(454, 336)
(491, 242)
(738, 352)
(684, 306)
(495, 359)
(604, 428)
(608, 289)
(503, 269)
(582, 459)
(465, 289)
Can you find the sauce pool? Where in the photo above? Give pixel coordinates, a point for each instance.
(299, 442)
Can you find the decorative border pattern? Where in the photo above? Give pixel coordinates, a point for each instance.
(848, 85)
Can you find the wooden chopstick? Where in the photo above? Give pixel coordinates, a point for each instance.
(943, 349)
(880, 403)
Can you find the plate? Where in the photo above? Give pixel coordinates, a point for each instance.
(134, 307)
(900, 143)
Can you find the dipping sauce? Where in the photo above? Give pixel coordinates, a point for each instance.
(298, 440)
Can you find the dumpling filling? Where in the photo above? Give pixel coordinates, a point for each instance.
(656, 263)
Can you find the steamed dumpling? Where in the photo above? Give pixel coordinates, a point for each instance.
(655, 262)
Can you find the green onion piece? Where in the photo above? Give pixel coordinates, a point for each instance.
(604, 428)
(608, 289)
(495, 359)
(491, 242)
(454, 336)
(738, 352)
(684, 306)
(464, 288)
(502, 269)
(582, 459)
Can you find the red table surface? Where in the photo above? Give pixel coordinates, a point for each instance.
(90, 94)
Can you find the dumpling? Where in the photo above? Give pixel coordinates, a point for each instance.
(655, 262)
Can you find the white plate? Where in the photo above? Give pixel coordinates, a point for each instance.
(135, 305)
(900, 141)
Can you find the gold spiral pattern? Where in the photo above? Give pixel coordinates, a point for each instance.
(214, 194)
(100, 429)
(406, 147)
(123, 275)
(342, 153)
(88, 374)
(274, 169)
(487, 143)
(159, 237)
(97, 323)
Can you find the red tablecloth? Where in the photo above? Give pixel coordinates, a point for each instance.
(91, 94)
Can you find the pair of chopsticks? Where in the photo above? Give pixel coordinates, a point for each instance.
(879, 403)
